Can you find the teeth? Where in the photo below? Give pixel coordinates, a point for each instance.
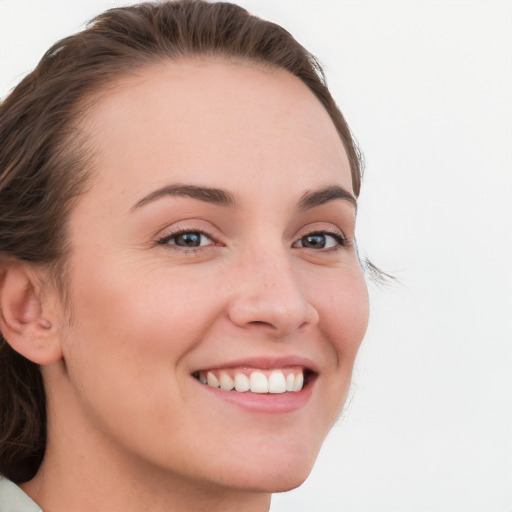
(226, 382)
(212, 380)
(259, 383)
(276, 382)
(299, 382)
(256, 381)
(290, 382)
(242, 382)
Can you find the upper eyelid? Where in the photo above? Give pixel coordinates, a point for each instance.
(341, 239)
(180, 231)
(327, 231)
(332, 230)
(188, 225)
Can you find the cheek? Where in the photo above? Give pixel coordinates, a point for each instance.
(128, 320)
(344, 311)
(131, 331)
(344, 320)
(134, 299)
(342, 304)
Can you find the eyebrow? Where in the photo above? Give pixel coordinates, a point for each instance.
(220, 197)
(211, 195)
(313, 198)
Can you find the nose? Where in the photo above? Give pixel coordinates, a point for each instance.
(268, 296)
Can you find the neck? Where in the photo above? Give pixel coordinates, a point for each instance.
(55, 493)
(85, 486)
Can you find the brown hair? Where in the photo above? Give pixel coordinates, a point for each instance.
(43, 159)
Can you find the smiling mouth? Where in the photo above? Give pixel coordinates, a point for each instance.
(243, 380)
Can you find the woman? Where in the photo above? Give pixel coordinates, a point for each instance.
(181, 297)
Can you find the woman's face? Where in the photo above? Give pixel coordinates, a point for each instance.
(215, 243)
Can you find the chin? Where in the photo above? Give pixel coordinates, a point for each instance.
(290, 482)
(272, 476)
(271, 484)
(278, 483)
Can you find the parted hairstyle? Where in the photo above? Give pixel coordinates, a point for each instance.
(45, 164)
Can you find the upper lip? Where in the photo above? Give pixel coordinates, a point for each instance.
(263, 363)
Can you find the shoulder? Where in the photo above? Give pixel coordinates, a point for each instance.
(13, 499)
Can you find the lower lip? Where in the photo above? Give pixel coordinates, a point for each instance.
(270, 403)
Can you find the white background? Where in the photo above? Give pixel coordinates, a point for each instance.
(426, 86)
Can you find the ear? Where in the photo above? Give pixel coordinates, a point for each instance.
(24, 323)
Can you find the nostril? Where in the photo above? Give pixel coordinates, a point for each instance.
(260, 322)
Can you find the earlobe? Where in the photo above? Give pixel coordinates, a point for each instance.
(23, 320)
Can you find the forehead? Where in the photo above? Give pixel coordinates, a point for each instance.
(214, 122)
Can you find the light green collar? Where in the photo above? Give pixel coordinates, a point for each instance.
(13, 499)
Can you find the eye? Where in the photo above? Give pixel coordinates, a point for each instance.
(187, 239)
(321, 240)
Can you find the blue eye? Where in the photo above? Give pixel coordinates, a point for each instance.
(187, 239)
(320, 241)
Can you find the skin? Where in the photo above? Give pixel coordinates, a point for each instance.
(125, 414)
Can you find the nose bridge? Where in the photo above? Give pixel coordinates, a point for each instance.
(270, 294)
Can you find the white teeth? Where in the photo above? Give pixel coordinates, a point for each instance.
(256, 382)
(276, 382)
(259, 383)
(299, 382)
(290, 382)
(226, 382)
(242, 382)
(212, 380)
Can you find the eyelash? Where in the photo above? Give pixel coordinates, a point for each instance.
(342, 241)
(167, 238)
